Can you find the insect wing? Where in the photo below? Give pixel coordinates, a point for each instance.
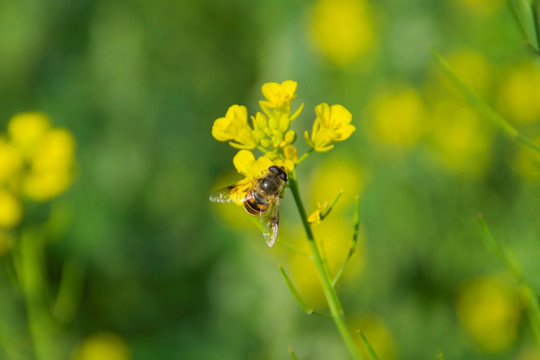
(236, 193)
(270, 222)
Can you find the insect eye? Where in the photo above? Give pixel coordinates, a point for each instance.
(279, 171)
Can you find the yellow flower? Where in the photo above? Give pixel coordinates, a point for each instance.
(26, 129)
(10, 210)
(520, 94)
(51, 166)
(252, 168)
(342, 29)
(279, 96)
(291, 153)
(331, 125)
(460, 139)
(489, 308)
(11, 162)
(397, 116)
(102, 346)
(234, 126)
(315, 217)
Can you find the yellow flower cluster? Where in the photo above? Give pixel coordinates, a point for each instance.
(37, 162)
(270, 131)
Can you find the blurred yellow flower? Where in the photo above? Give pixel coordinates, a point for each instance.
(333, 124)
(102, 346)
(526, 163)
(337, 175)
(461, 140)
(398, 116)
(481, 7)
(520, 94)
(473, 69)
(278, 96)
(11, 161)
(334, 238)
(26, 129)
(342, 29)
(378, 335)
(234, 126)
(10, 210)
(489, 308)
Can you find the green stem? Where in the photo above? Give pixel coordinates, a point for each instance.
(329, 291)
(303, 157)
(31, 278)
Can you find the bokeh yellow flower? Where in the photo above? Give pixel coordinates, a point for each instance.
(334, 236)
(342, 30)
(278, 96)
(11, 161)
(526, 163)
(489, 309)
(473, 68)
(51, 166)
(234, 128)
(10, 210)
(398, 116)
(482, 8)
(102, 346)
(26, 129)
(333, 124)
(461, 139)
(377, 333)
(520, 94)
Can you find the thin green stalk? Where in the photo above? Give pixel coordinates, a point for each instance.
(354, 241)
(303, 157)
(481, 105)
(368, 346)
(513, 265)
(329, 291)
(30, 273)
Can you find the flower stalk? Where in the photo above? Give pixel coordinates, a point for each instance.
(330, 293)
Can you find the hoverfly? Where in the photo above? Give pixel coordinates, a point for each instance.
(259, 197)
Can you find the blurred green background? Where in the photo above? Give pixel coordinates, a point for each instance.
(169, 275)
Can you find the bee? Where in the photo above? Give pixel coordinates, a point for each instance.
(260, 197)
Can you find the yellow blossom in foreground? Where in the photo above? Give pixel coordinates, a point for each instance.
(10, 210)
(342, 29)
(102, 346)
(279, 95)
(11, 161)
(26, 129)
(489, 308)
(333, 124)
(246, 164)
(398, 116)
(234, 128)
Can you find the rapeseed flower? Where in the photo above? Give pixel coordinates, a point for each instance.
(342, 30)
(490, 308)
(398, 117)
(333, 124)
(102, 346)
(234, 128)
(37, 163)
